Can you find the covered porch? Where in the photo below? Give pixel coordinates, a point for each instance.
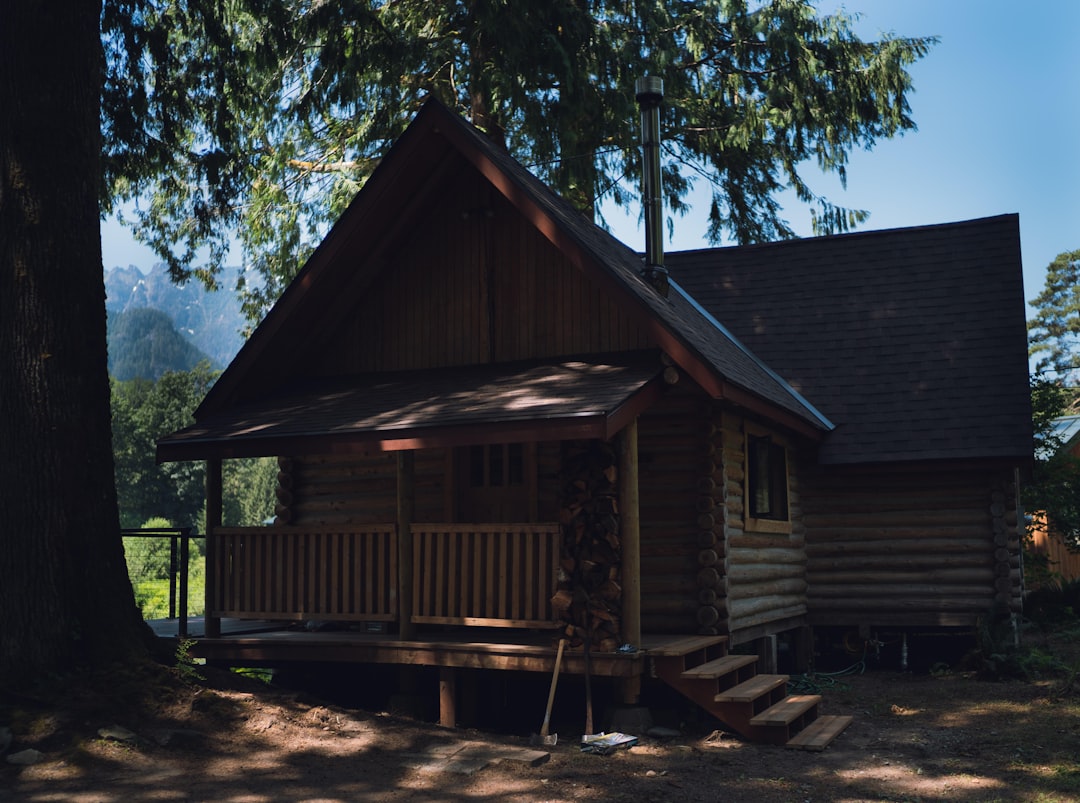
(483, 592)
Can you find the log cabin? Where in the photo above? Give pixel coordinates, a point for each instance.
(498, 427)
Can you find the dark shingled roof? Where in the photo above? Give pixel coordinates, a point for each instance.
(912, 341)
(573, 399)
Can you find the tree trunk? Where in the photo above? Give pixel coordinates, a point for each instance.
(65, 598)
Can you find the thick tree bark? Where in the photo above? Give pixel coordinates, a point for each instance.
(65, 599)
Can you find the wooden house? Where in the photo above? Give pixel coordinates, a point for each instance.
(494, 431)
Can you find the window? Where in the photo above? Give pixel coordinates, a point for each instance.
(496, 482)
(766, 484)
(496, 465)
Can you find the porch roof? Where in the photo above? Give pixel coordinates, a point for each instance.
(581, 398)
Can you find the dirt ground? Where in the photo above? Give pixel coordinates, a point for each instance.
(916, 737)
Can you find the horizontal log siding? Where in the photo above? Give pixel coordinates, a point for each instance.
(764, 572)
(673, 465)
(930, 545)
(362, 488)
(478, 285)
(304, 573)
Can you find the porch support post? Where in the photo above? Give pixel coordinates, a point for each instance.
(406, 498)
(630, 539)
(447, 696)
(213, 521)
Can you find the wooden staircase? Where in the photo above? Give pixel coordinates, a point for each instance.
(757, 707)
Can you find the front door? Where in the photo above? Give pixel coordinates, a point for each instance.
(495, 482)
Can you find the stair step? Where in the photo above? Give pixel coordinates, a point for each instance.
(684, 646)
(787, 710)
(752, 689)
(820, 733)
(720, 666)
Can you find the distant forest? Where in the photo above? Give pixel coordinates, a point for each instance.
(144, 344)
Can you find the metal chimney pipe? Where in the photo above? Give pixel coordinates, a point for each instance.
(649, 91)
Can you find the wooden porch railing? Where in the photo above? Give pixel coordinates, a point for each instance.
(492, 575)
(304, 573)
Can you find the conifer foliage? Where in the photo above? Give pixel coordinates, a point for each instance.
(262, 118)
(1054, 331)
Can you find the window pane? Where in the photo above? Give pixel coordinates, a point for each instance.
(515, 464)
(476, 466)
(495, 467)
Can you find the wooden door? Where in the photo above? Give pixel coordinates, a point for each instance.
(497, 483)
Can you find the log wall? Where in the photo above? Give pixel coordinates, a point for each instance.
(765, 582)
(362, 488)
(681, 534)
(924, 546)
(480, 285)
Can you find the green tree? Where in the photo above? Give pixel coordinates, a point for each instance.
(1053, 489)
(262, 118)
(1054, 343)
(1054, 331)
(142, 412)
(65, 600)
(247, 491)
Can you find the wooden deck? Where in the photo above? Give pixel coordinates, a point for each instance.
(262, 643)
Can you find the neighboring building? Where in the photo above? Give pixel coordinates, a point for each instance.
(1045, 542)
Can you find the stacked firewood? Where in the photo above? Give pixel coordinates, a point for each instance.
(283, 510)
(588, 599)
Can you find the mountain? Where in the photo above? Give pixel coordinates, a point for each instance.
(211, 321)
(144, 344)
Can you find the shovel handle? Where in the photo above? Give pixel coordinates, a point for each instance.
(551, 694)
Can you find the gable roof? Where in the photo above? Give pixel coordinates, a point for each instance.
(413, 176)
(912, 341)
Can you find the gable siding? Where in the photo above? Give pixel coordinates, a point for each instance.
(477, 284)
(923, 546)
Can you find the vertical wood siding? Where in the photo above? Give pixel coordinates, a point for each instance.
(932, 545)
(476, 285)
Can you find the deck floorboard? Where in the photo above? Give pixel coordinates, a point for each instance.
(259, 642)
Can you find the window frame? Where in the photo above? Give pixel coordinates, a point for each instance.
(779, 479)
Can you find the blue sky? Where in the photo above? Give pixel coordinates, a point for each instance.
(997, 103)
